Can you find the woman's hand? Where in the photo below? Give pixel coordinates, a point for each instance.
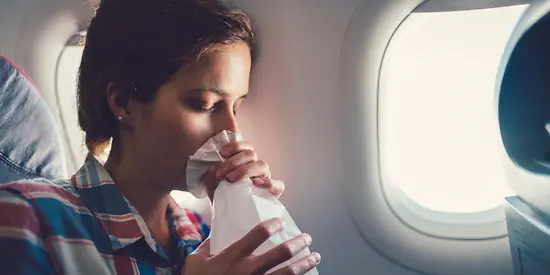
(238, 259)
(240, 163)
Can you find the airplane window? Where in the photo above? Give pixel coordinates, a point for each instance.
(440, 146)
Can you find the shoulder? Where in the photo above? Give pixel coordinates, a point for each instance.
(17, 211)
(43, 195)
(22, 245)
(28, 209)
(35, 189)
(18, 218)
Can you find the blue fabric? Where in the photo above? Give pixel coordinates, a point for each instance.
(30, 145)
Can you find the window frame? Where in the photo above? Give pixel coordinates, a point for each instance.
(485, 224)
(75, 146)
(363, 190)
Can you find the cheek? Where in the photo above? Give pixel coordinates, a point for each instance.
(181, 133)
(193, 130)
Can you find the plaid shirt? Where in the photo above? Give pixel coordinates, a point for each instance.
(86, 226)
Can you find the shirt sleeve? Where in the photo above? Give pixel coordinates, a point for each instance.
(21, 245)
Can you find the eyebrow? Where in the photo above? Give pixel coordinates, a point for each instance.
(217, 91)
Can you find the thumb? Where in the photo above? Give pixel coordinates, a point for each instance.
(203, 249)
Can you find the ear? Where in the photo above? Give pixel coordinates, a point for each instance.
(119, 102)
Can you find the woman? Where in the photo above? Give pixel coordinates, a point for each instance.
(158, 78)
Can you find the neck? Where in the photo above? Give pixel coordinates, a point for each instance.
(149, 200)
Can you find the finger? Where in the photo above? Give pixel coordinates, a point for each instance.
(300, 267)
(253, 169)
(276, 187)
(230, 164)
(283, 252)
(251, 241)
(235, 147)
(204, 249)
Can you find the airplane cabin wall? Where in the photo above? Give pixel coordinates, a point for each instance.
(11, 18)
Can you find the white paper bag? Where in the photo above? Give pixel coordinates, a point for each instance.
(205, 156)
(238, 207)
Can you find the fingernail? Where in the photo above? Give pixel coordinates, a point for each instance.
(276, 227)
(315, 258)
(307, 238)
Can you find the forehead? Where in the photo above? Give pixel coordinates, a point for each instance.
(227, 69)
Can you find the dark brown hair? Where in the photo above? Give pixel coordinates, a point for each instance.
(139, 45)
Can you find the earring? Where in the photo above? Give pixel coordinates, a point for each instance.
(119, 118)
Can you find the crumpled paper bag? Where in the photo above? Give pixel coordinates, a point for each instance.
(240, 206)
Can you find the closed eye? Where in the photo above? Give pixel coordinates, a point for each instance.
(201, 105)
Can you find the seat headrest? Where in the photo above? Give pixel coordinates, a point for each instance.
(524, 92)
(30, 143)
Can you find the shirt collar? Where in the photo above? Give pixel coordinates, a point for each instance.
(120, 219)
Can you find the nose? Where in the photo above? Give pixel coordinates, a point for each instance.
(227, 121)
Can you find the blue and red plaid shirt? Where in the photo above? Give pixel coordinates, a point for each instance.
(86, 226)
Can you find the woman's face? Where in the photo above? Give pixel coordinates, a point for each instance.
(195, 105)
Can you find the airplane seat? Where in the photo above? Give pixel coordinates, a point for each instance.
(30, 145)
(523, 93)
(524, 101)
